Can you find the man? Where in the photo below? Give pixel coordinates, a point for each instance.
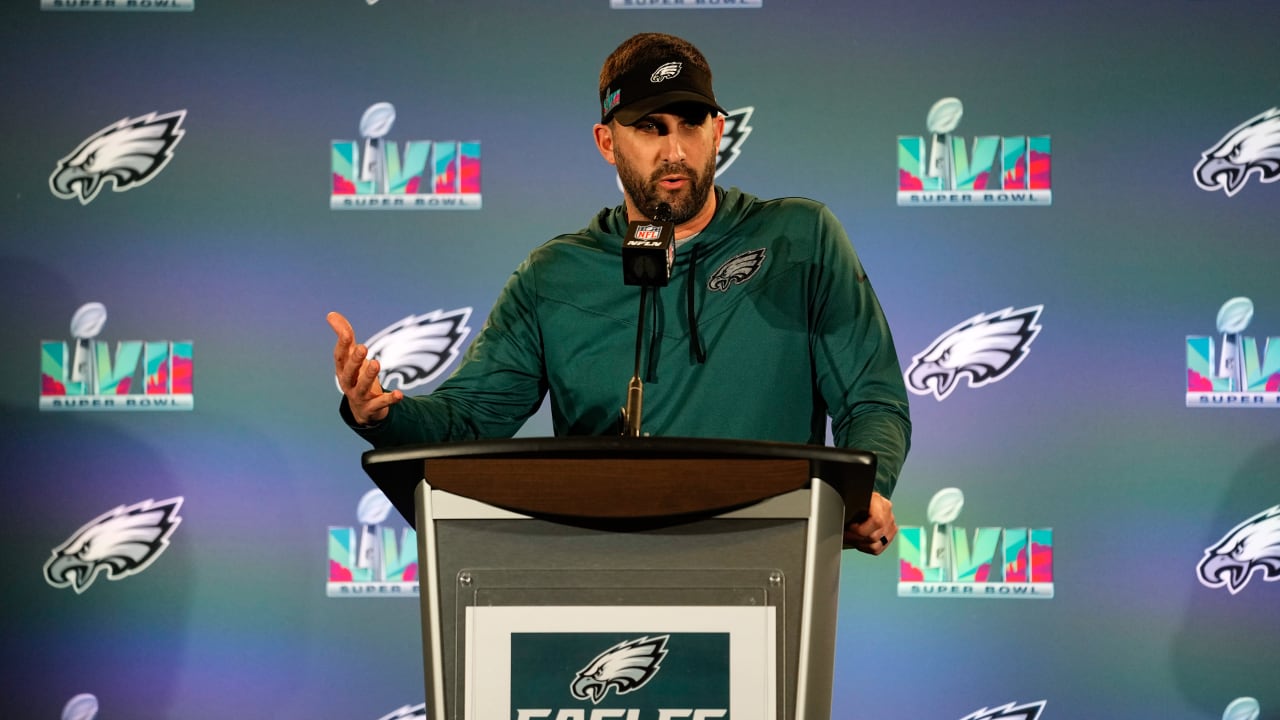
(767, 326)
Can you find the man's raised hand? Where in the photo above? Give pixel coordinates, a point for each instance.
(358, 376)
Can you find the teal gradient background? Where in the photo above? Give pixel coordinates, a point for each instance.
(234, 247)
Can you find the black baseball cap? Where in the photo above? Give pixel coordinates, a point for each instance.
(644, 90)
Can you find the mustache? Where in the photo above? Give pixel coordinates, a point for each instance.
(674, 169)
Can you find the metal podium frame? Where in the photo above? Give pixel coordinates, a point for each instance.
(758, 521)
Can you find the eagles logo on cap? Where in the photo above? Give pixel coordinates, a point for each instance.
(665, 72)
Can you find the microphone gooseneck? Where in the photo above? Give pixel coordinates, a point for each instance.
(635, 389)
(648, 252)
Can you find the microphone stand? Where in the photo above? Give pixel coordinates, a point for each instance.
(635, 389)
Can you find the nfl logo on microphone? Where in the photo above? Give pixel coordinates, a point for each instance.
(648, 232)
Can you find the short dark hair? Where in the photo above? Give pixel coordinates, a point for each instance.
(645, 49)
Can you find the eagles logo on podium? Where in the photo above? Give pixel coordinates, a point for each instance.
(624, 667)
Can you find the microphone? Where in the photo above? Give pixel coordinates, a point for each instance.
(648, 252)
(649, 249)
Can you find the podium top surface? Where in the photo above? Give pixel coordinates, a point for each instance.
(618, 477)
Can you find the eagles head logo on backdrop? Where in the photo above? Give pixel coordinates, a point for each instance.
(983, 349)
(1251, 148)
(736, 130)
(128, 153)
(419, 348)
(406, 712)
(119, 542)
(1009, 711)
(625, 667)
(1252, 546)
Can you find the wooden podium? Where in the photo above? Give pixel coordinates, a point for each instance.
(732, 546)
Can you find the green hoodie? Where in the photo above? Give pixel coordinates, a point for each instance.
(767, 326)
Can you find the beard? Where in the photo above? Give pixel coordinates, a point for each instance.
(646, 194)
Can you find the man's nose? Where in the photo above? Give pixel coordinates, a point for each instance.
(673, 148)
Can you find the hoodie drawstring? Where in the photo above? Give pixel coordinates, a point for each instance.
(655, 335)
(695, 345)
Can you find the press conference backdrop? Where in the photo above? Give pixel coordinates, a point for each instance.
(1067, 211)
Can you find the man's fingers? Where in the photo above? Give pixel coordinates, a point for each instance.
(366, 378)
(866, 545)
(341, 351)
(374, 409)
(874, 534)
(880, 536)
(381, 402)
(351, 368)
(878, 527)
(346, 338)
(357, 375)
(340, 325)
(886, 533)
(341, 328)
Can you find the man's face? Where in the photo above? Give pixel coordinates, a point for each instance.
(668, 156)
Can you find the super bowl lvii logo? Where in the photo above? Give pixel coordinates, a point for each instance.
(370, 560)
(682, 4)
(996, 170)
(1232, 373)
(142, 375)
(122, 5)
(1009, 562)
(373, 174)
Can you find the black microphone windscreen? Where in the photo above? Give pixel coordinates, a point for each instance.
(648, 252)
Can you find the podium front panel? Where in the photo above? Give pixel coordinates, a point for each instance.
(748, 564)
(741, 587)
(751, 564)
(589, 641)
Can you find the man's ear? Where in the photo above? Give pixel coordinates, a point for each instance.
(604, 142)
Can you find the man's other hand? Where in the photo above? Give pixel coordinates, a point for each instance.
(873, 534)
(358, 376)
